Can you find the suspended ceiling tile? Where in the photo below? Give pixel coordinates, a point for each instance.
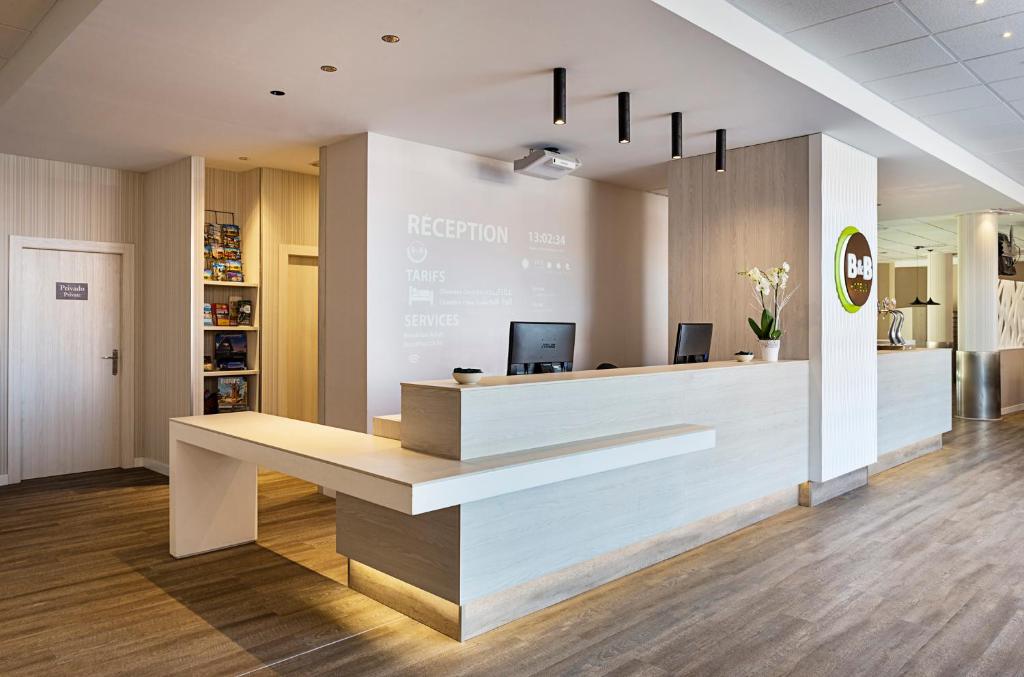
(976, 119)
(921, 83)
(984, 39)
(1011, 90)
(24, 14)
(943, 15)
(946, 102)
(870, 29)
(884, 62)
(10, 40)
(998, 66)
(789, 15)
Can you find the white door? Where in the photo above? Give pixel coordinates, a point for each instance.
(298, 356)
(70, 304)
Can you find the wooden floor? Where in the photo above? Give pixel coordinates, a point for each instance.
(920, 573)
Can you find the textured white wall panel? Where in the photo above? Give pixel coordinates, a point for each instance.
(977, 314)
(1011, 314)
(844, 377)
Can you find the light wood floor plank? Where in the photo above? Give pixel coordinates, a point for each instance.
(919, 573)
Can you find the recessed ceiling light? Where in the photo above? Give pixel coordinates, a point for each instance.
(277, 92)
(243, 158)
(979, 2)
(390, 39)
(1007, 34)
(328, 68)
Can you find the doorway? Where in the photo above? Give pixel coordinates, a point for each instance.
(297, 357)
(70, 347)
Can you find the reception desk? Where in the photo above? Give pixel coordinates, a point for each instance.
(506, 497)
(915, 404)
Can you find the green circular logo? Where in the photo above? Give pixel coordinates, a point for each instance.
(855, 269)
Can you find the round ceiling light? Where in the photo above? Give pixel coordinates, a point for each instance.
(390, 39)
(1008, 34)
(277, 92)
(328, 68)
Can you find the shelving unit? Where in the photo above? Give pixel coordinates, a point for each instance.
(228, 292)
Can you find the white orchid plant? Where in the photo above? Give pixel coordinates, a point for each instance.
(771, 296)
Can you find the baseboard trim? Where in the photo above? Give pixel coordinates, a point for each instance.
(155, 466)
(813, 494)
(1012, 409)
(4, 481)
(905, 454)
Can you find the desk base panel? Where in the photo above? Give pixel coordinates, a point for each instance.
(476, 616)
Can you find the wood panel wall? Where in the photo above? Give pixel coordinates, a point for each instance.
(169, 301)
(289, 208)
(43, 198)
(754, 214)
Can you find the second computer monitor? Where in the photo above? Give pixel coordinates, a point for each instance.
(540, 347)
(693, 342)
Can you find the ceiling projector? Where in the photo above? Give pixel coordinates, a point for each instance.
(546, 163)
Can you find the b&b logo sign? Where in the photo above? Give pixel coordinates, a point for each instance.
(855, 269)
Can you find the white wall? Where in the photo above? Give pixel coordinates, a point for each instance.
(844, 378)
(478, 240)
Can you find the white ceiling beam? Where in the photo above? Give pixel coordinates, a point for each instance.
(745, 33)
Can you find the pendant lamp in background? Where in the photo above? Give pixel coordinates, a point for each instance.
(917, 297)
(930, 301)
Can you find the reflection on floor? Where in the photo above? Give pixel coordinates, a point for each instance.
(920, 572)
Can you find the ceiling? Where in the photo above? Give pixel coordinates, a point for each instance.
(18, 18)
(898, 238)
(946, 62)
(139, 83)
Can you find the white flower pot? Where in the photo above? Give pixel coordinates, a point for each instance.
(770, 350)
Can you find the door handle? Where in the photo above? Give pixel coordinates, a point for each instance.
(115, 357)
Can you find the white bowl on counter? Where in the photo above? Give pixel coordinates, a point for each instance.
(467, 378)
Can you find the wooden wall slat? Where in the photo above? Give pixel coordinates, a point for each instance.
(754, 214)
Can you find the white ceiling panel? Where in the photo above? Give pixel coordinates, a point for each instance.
(789, 15)
(975, 119)
(984, 39)
(999, 66)
(1010, 90)
(1008, 158)
(23, 14)
(11, 39)
(942, 61)
(921, 83)
(943, 15)
(947, 102)
(904, 57)
(872, 28)
(987, 140)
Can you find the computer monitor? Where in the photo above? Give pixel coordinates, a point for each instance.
(540, 347)
(693, 342)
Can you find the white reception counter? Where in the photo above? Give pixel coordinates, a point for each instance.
(512, 495)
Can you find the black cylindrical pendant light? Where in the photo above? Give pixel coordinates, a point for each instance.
(559, 96)
(623, 117)
(719, 150)
(677, 136)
